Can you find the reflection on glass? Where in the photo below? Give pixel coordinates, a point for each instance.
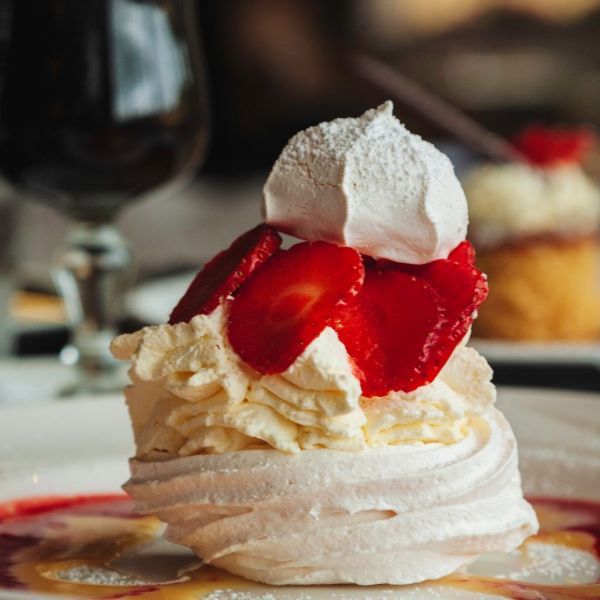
(102, 101)
(148, 73)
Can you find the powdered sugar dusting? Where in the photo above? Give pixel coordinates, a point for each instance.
(241, 595)
(556, 564)
(540, 562)
(95, 575)
(371, 184)
(428, 592)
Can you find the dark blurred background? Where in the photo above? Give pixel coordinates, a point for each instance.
(277, 66)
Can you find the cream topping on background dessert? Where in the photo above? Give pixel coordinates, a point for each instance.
(191, 394)
(511, 201)
(370, 184)
(396, 514)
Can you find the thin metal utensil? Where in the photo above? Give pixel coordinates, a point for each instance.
(437, 111)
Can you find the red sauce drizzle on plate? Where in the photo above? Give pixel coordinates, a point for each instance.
(77, 544)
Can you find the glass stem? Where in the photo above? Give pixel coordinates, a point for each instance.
(93, 270)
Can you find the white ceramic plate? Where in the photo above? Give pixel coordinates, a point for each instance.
(152, 302)
(78, 447)
(25, 381)
(539, 353)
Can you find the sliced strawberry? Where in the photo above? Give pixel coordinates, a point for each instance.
(386, 329)
(462, 288)
(288, 302)
(405, 322)
(463, 253)
(550, 146)
(224, 274)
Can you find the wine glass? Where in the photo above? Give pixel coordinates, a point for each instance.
(101, 102)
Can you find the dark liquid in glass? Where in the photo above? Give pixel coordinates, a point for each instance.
(100, 99)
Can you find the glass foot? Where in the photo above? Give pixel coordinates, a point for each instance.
(93, 272)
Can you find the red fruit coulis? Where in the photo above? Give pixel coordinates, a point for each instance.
(72, 544)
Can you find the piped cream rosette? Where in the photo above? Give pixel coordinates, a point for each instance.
(191, 394)
(393, 514)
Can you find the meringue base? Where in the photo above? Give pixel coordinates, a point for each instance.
(395, 514)
(541, 289)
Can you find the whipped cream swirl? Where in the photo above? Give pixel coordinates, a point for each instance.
(191, 394)
(394, 514)
(370, 184)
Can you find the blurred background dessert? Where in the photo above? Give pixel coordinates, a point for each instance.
(535, 225)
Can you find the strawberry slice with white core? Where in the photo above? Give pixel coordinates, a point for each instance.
(224, 274)
(406, 321)
(279, 311)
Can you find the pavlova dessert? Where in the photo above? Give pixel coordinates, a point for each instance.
(535, 226)
(312, 415)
